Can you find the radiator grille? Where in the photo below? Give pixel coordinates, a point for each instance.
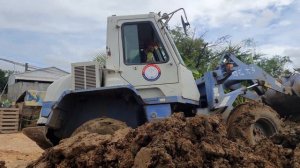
(79, 77)
(90, 74)
(85, 77)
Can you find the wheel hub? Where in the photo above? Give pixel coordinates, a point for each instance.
(263, 128)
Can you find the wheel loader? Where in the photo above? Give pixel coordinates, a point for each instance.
(127, 90)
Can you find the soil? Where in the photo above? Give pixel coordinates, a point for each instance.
(200, 141)
(16, 150)
(101, 126)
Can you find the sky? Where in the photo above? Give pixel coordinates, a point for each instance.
(47, 33)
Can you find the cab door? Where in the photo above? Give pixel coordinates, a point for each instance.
(134, 40)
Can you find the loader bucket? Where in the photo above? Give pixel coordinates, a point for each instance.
(37, 134)
(286, 105)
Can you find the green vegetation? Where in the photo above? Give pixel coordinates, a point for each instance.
(194, 51)
(200, 57)
(101, 57)
(275, 65)
(3, 85)
(5, 103)
(3, 79)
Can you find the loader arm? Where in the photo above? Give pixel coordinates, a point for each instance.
(232, 78)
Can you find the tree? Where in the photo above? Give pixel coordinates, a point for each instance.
(200, 57)
(3, 79)
(275, 65)
(101, 57)
(194, 51)
(245, 51)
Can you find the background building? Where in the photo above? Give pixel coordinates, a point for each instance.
(38, 80)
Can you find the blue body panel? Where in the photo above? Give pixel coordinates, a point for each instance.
(170, 99)
(46, 108)
(158, 111)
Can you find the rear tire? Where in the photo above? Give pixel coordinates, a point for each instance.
(252, 122)
(103, 126)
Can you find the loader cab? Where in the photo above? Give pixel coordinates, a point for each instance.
(142, 50)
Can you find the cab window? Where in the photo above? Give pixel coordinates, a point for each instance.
(141, 44)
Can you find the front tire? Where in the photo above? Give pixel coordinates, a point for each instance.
(103, 126)
(253, 122)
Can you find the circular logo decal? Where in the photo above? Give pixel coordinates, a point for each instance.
(151, 72)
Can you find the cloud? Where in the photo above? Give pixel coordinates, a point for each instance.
(282, 50)
(284, 23)
(70, 54)
(266, 17)
(218, 13)
(58, 32)
(16, 68)
(294, 54)
(79, 16)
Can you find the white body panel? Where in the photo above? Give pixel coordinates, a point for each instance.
(188, 85)
(113, 78)
(55, 90)
(159, 90)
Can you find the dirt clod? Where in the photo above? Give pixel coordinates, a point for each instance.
(2, 164)
(200, 141)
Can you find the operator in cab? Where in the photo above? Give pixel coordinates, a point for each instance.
(150, 52)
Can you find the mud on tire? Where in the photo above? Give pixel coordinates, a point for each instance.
(101, 126)
(252, 122)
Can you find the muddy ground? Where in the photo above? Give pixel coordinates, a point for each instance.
(17, 151)
(174, 142)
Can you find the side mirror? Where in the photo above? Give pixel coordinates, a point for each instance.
(184, 25)
(168, 17)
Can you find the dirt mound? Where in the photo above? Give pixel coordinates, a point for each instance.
(2, 164)
(289, 136)
(174, 142)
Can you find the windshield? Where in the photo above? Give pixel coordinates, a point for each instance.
(142, 44)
